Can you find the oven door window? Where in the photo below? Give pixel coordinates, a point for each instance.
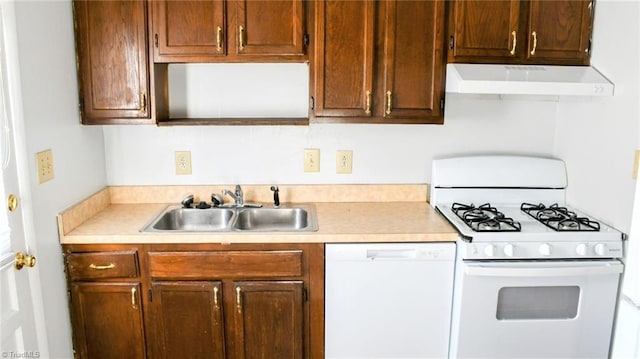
(544, 302)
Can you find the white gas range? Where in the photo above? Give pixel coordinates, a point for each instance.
(534, 278)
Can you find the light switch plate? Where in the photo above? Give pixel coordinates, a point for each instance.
(312, 160)
(344, 161)
(183, 162)
(44, 162)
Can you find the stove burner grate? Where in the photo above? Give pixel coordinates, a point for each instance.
(559, 218)
(485, 218)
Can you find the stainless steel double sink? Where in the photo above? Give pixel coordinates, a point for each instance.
(175, 219)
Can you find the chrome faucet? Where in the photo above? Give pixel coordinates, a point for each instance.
(238, 196)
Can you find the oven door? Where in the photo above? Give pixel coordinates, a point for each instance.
(535, 309)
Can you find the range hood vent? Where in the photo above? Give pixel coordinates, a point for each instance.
(527, 80)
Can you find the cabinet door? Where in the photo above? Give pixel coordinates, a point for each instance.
(188, 30)
(107, 320)
(486, 29)
(559, 30)
(344, 58)
(272, 27)
(188, 319)
(113, 68)
(413, 59)
(268, 319)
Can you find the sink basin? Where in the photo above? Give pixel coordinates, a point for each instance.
(173, 219)
(275, 219)
(178, 219)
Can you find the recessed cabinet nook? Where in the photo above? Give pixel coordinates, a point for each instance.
(371, 61)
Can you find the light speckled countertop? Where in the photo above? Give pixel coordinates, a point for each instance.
(104, 219)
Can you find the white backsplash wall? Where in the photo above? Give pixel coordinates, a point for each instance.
(144, 155)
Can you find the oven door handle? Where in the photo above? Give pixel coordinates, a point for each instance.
(488, 270)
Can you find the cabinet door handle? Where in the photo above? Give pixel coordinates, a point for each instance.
(215, 298)
(241, 38)
(133, 297)
(100, 267)
(367, 110)
(143, 102)
(513, 45)
(238, 299)
(389, 103)
(219, 39)
(535, 43)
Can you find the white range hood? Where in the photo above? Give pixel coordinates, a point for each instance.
(527, 80)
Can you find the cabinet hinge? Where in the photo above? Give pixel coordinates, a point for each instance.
(442, 103)
(305, 295)
(588, 49)
(305, 40)
(451, 42)
(150, 294)
(69, 298)
(312, 103)
(155, 39)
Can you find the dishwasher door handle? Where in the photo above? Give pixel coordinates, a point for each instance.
(391, 254)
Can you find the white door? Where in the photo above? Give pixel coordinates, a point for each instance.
(19, 337)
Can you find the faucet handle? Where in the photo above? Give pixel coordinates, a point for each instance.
(187, 201)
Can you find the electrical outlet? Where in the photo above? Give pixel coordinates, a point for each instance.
(44, 162)
(183, 162)
(312, 160)
(344, 161)
(636, 163)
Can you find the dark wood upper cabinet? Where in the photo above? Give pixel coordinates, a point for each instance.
(113, 66)
(379, 61)
(560, 31)
(344, 58)
(515, 31)
(228, 31)
(188, 29)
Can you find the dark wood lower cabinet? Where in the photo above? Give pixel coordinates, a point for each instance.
(107, 320)
(237, 301)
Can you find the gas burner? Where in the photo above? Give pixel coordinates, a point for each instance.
(485, 218)
(558, 218)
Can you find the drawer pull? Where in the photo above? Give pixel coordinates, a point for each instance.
(97, 267)
(238, 299)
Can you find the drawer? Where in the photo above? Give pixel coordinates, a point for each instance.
(96, 265)
(226, 264)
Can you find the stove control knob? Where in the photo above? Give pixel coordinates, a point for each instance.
(581, 249)
(600, 249)
(508, 250)
(545, 249)
(490, 250)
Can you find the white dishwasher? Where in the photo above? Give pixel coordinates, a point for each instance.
(388, 300)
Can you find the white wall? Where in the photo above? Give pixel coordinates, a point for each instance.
(138, 155)
(598, 140)
(50, 99)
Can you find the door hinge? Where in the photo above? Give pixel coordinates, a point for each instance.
(312, 103)
(150, 294)
(155, 39)
(442, 103)
(588, 49)
(69, 298)
(305, 295)
(451, 43)
(305, 40)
